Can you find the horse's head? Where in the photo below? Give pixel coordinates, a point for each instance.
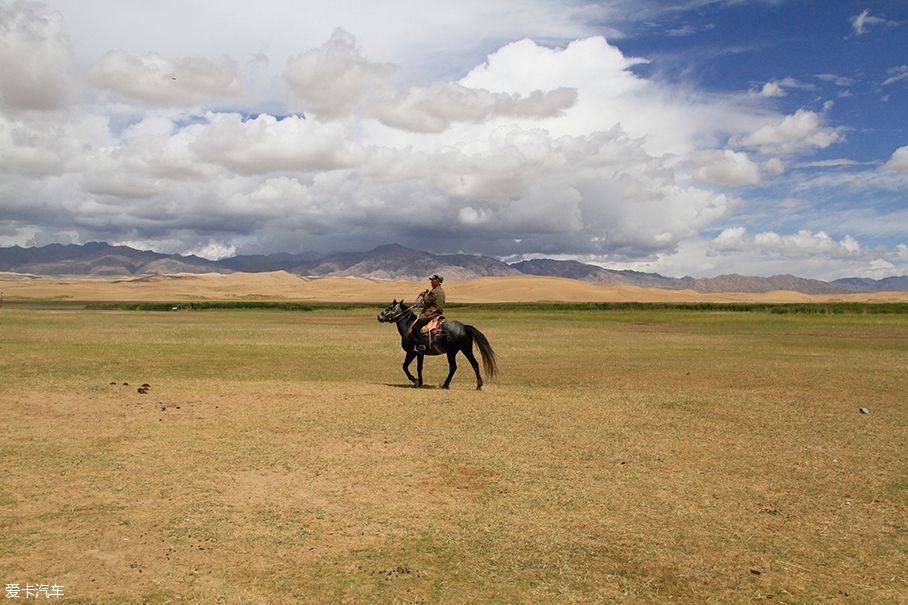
(391, 312)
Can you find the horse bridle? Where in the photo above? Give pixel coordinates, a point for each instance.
(404, 312)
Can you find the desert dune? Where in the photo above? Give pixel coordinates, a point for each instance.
(281, 286)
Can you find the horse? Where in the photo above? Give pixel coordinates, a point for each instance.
(451, 338)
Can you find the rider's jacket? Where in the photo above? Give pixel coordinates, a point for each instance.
(433, 304)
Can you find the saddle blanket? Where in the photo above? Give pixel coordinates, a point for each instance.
(433, 324)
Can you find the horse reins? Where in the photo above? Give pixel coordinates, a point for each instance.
(404, 312)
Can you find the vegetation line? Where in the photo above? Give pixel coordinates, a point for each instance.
(837, 308)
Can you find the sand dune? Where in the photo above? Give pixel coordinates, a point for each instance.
(281, 286)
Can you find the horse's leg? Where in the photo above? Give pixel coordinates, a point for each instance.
(468, 353)
(452, 367)
(407, 362)
(419, 360)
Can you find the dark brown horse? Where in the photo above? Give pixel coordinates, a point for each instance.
(451, 338)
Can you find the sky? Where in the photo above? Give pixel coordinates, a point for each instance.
(680, 137)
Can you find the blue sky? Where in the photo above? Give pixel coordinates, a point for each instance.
(685, 137)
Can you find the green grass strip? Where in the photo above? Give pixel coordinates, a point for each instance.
(837, 308)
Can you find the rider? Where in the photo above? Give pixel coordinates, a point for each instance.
(433, 305)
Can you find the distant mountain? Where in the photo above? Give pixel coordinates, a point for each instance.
(887, 284)
(392, 262)
(100, 259)
(739, 283)
(723, 283)
(396, 262)
(259, 263)
(597, 275)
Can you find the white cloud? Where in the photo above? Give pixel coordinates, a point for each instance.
(554, 140)
(724, 167)
(779, 88)
(333, 80)
(434, 108)
(213, 250)
(898, 74)
(830, 163)
(666, 119)
(600, 70)
(837, 79)
(805, 244)
(537, 155)
(265, 144)
(772, 89)
(37, 64)
(861, 22)
(698, 257)
(793, 133)
(42, 148)
(899, 161)
(28, 149)
(185, 81)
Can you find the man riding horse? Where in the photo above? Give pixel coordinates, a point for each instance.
(450, 338)
(433, 305)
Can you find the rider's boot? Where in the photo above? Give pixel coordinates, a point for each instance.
(420, 344)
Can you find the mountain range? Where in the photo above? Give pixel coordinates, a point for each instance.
(392, 262)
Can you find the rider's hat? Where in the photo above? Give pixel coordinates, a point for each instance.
(437, 278)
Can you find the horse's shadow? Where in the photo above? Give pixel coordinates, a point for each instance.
(410, 386)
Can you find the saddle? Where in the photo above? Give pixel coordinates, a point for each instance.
(429, 331)
(433, 324)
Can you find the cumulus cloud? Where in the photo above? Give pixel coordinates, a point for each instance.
(780, 88)
(265, 144)
(185, 81)
(599, 193)
(434, 108)
(333, 80)
(42, 148)
(802, 131)
(515, 160)
(609, 93)
(37, 64)
(31, 150)
(772, 89)
(539, 149)
(724, 167)
(899, 161)
(213, 250)
(805, 244)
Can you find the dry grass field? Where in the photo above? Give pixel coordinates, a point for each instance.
(632, 456)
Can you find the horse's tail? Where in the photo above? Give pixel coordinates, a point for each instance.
(485, 349)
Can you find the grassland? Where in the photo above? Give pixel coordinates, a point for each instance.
(640, 455)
